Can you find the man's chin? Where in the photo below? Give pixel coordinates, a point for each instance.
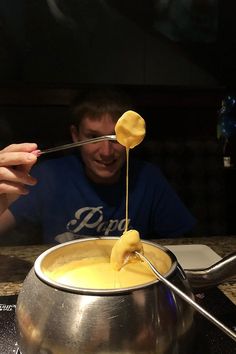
(104, 177)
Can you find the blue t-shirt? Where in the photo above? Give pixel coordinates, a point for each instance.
(67, 205)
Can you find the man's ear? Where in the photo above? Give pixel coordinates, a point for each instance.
(74, 133)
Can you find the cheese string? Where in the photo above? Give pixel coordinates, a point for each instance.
(127, 191)
(130, 131)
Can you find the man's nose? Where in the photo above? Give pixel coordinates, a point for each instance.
(106, 148)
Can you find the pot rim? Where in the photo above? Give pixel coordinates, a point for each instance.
(91, 291)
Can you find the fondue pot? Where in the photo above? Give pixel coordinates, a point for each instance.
(53, 318)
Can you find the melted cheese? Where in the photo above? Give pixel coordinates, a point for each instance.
(123, 250)
(130, 129)
(98, 273)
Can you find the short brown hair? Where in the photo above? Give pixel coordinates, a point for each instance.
(95, 103)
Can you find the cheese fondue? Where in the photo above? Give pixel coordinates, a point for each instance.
(86, 264)
(98, 273)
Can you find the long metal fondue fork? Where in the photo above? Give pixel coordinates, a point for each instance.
(188, 299)
(78, 143)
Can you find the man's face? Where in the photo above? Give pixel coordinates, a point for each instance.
(103, 160)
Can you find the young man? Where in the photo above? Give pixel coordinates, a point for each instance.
(83, 194)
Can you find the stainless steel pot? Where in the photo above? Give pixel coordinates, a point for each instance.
(58, 319)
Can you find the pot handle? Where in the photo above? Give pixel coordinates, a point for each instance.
(217, 273)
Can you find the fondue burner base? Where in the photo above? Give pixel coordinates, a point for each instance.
(209, 339)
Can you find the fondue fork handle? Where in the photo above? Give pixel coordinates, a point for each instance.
(188, 299)
(77, 143)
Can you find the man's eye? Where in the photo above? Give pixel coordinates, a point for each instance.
(91, 136)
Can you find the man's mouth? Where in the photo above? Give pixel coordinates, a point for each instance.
(106, 163)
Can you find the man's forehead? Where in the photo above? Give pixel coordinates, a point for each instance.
(92, 122)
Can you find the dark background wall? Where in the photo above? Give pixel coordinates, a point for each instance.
(146, 42)
(177, 58)
(42, 114)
